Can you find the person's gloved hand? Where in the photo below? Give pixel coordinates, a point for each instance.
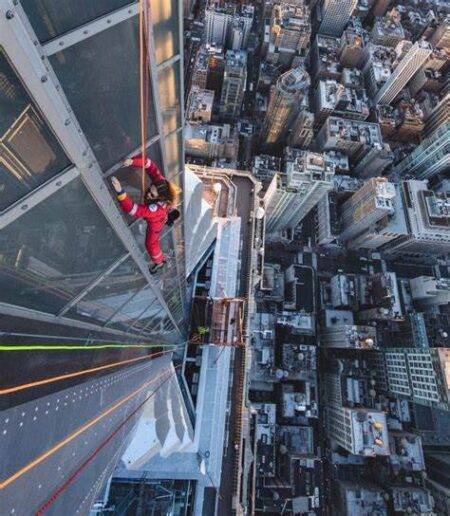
(172, 217)
(128, 162)
(116, 184)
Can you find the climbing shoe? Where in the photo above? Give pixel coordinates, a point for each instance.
(155, 267)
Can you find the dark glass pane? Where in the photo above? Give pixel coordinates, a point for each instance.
(29, 152)
(50, 18)
(100, 77)
(54, 251)
(170, 97)
(104, 300)
(165, 28)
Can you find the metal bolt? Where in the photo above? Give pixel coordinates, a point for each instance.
(24, 207)
(61, 43)
(44, 78)
(108, 21)
(67, 122)
(15, 2)
(9, 15)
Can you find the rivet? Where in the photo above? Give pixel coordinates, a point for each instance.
(9, 15)
(85, 32)
(44, 78)
(58, 183)
(108, 21)
(61, 43)
(24, 206)
(67, 122)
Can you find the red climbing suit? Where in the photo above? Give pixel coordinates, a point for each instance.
(155, 214)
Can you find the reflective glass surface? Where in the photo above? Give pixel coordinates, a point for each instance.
(170, 96)
(55, 250)
(107, 298)
(100, 77)
(164, 15)
(29, 152)
(174, 149)
(50, 18)
(132, 310)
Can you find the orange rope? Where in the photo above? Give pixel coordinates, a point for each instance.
(143, 89)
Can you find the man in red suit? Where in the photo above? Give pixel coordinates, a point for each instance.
(157, 210)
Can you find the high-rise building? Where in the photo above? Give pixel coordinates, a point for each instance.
(360, 141)
(426, 215)
(199, 105)
(292, 194)
(371, 203)
(438, 116)
(411, 62)
(290, 30)
(286, 99)
(349, 337)
(441, 36)
(211, 141)
(429, 158)
(420, 375)
(234, 81)
(334, 16)
(360, 431)
(429, 291)
(359, 499)
(218, 17)
(74, 279)
(388, 31)
(302, 132)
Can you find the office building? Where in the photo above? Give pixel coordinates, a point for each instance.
(211, 141)
(199, 105)
(406, 452)
(377, 67)
(240, 27)
(344, 291)
(218, 17)
(441, 36)
(302, 131)
(388, 31)
(292, 194)
(429, 291)
(333, 98)
(379, 298)
(371, 203)
(287, 97)
(353, 41)
(234, 82)
(360, 141)
(360, 431)
(411, 62)
(73, 267)
(290, 31)
(407, 499)
(359, 499)
(419, 375)
(426, 214)
(438, 481)
(265, 167)
(429, 158)
(324, 58)
(334, 15)
(349, 337)
(439, 115)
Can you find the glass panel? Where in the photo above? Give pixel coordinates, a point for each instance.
(54, 251)
(164, 15)
(149, 315)
(103, 301)
(29, 152)
(50, 18)
(100, 77)
(170, 97)
(131, 177)
(132, 310)
(174, 149)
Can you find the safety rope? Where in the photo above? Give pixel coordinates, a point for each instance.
(143, 87)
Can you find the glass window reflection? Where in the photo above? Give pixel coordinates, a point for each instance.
(53, 252)
(164, 15)
(132, 310)
(100, 77)
(169, 96)
(50, 18)
(29, 152)
(174, 149)
(116, 289)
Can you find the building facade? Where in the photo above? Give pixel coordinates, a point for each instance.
(74, 273)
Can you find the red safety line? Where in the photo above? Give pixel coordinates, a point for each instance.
(77, 472)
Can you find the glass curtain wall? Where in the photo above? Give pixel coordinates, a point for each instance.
(62, 255)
